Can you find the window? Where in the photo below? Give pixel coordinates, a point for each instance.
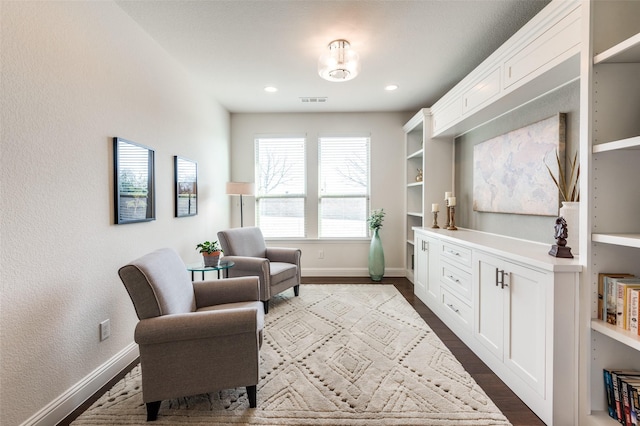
(280, 186)
(344, 187)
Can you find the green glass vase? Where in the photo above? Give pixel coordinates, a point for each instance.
(376, 257)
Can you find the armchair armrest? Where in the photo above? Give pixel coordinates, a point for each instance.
(256, 265)
(229, 290)
(196, 325)
(284, 254)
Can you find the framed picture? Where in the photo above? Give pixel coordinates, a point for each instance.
(134, 185)
(510, 171)
(186, 188)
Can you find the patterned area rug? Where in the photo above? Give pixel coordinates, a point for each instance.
(335, 355)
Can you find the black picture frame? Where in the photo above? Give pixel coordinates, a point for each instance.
(186, 186)
(134, 182)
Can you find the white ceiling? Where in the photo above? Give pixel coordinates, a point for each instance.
(237, 47)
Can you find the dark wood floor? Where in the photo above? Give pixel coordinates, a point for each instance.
(512, 407)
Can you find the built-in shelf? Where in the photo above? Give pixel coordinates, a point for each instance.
(410, 242)
(626, 51)
(414, 214)
(626, 240)
(616, 333)
(417, 154)
(630, 143)
(415, 184)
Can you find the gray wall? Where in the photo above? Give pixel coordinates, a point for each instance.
(536, 228)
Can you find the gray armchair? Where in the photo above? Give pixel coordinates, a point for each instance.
(278, 268)
(194, 337)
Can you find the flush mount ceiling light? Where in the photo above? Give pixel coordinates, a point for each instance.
(339, 62)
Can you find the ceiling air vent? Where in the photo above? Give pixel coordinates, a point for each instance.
(313, 100)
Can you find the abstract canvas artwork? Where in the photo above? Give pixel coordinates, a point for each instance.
(509, 172)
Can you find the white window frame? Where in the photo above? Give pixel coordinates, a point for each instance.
(366, 196)
(260, 196)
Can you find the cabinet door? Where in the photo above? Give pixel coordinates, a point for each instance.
(426, 280)
(489, 302)
(433, 273)
(420, 267)
(526, 323)
(511, 316)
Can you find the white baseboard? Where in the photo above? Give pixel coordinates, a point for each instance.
(349, 272)
(66, 403)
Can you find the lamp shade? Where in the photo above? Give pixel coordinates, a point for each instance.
(240, 188)
(339, 62)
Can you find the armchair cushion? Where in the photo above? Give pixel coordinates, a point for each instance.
(282, 271)
(159, 284)
(243, 242)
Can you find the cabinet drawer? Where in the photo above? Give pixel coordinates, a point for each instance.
(558, 40)
(456, 280)
(457, 254)
(457, 308)
(445, 115)
(482, 92)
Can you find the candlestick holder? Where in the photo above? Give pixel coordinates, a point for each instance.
(446, 225)
(452, 222)
(435, 220)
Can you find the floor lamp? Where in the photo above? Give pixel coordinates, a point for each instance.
(240, 188)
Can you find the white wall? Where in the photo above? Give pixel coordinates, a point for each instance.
(75, 74)
(387, 175)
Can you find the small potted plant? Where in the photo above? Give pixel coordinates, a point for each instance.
(210, 252)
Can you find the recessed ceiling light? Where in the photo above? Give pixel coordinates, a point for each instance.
(391, 87)
(270, 89)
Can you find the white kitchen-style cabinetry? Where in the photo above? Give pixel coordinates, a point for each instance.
(514, 306)
(610, 150)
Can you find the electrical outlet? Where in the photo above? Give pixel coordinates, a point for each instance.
(105, 330)
(320, 254)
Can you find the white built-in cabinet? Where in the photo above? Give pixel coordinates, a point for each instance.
(543, 55)
(610, 149)
(513, 305)
(528, 326)
(425, 284)
(510, 315)
(435, 158)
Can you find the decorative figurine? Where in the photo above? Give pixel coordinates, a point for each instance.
(560, 234)
(419, 176)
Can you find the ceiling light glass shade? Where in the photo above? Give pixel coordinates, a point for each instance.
(339, 62)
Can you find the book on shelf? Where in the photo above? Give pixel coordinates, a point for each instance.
(602, 293)
(608, 388)
(635, 399)
(622, 305)
(634, 405)
(627, 405)
(618, 395)
(634, 311)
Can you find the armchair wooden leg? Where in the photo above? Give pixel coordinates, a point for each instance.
(252, 394)
(296, 290)
(152, 410)
(266, 306)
